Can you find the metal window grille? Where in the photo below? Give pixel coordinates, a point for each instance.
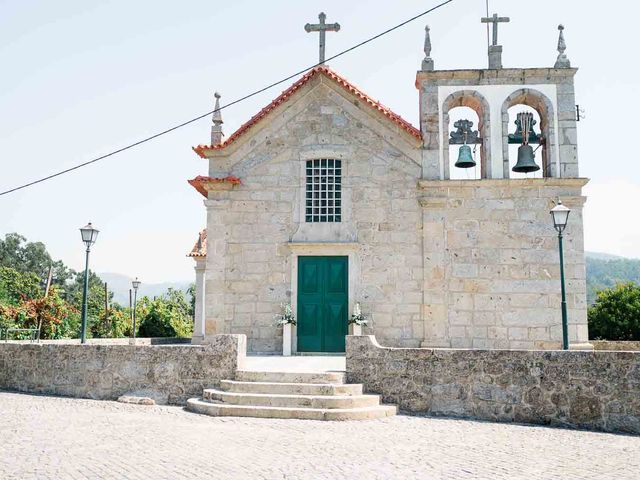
(324, 191)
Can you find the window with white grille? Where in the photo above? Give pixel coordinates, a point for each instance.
(324, 191)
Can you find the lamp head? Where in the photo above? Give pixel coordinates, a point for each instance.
(89, 234)
(136, 283)
(560, 214)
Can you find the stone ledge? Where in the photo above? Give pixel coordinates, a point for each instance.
(505, 182)
(319, 245)
(543, 75)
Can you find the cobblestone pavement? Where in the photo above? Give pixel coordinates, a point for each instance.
(61, 438)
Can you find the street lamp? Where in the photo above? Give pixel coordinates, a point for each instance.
(560, 214)
(89, 236)
(135, 283)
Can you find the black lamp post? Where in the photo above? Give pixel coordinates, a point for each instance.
(560, 214)
(89, 236)
(135, 284)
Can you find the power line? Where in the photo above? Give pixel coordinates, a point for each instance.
(241, 99)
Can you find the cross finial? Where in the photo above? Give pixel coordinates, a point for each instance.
(322, 28)
(216, 129)
(427, 63)
(495, 50)
(562, 61)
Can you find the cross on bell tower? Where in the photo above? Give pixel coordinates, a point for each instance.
(495, 50)
(322, 28)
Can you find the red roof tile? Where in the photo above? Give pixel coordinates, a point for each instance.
(200, 248)
(200, 181)
(321, 69)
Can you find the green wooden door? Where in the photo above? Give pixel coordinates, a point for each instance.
(322, 303)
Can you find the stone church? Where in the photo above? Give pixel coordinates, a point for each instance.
(326, 198)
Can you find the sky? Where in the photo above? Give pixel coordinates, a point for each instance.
(82, 78)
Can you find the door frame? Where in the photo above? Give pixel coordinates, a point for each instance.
(323, 249)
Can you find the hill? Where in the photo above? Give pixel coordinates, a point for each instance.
(120, 284)
(604, 271)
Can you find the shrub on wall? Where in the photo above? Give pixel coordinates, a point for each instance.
(616, 313)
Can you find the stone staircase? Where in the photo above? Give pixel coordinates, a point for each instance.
(302, 395)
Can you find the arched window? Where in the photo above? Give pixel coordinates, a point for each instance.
(478, 137)
(531, 110)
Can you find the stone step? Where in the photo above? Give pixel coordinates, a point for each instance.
(220, 409)
(291, 401)
(291, 377)
(280, 388)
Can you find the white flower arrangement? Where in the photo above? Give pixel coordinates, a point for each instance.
(358, 317)
(286, 317)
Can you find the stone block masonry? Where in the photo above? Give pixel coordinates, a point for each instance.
(492, 274)
(595, 390)
(167, 373)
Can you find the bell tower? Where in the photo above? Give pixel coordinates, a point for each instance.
(499, 150)
(547, 93)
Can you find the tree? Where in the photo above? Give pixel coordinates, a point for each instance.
(16, 286)
(115, 323)
(31, 257)
(24, 270)
(49, 314)
(166, 316)
(616, 313)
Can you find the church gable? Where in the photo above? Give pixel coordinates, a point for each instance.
(321, 122)
(337, 90)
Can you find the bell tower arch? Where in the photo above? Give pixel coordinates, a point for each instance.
(475, 101)
(546, 141)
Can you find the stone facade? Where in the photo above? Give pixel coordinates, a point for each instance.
(166, 373)
(259, 229)
(434, 262)
(492, 266)
(595, 390)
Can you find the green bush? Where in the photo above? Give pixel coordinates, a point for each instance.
(166, 316)
(616, 313)
(116, 323)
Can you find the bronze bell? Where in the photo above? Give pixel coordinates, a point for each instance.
(465, 159)
(526, 160)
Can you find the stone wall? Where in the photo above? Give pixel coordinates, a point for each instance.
(167, 373)
(492, 269)
(625, 346)
(594, 390)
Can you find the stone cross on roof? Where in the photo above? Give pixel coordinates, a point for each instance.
(322, 28)
(495, 19)
(495, 50)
